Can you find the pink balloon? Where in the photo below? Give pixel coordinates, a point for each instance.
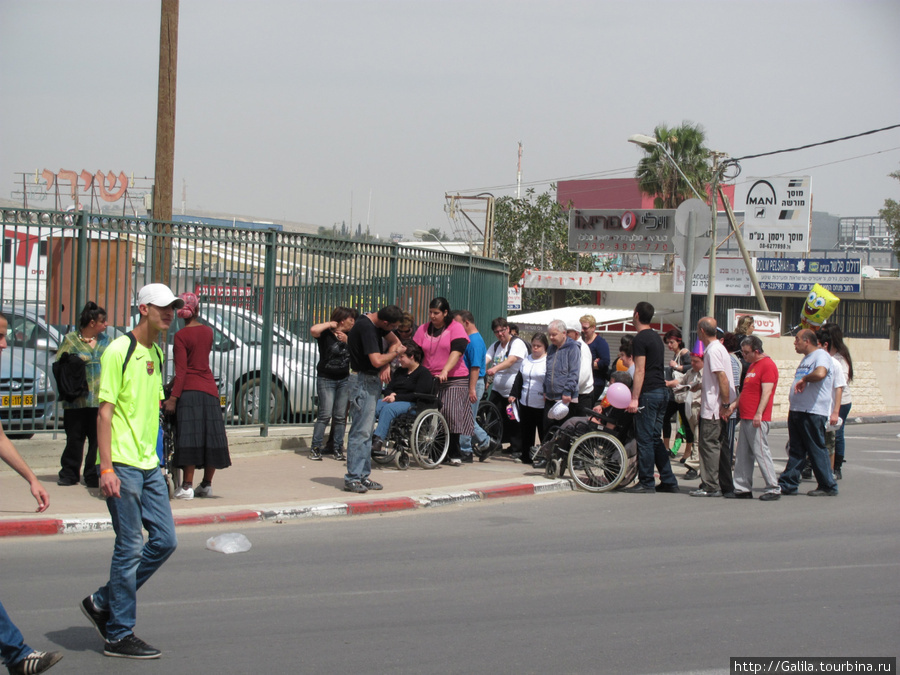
(618, 395)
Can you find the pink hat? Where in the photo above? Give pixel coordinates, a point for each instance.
(191, 304)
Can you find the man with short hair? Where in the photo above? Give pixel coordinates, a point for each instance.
(373, 345)
(810, 405)
(131, 388)
(649, 393)
(17, 656)
(599, 355)
(755, 408)
(475, 360)
(716, 395)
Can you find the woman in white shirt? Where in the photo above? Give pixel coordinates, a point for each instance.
(528, 394)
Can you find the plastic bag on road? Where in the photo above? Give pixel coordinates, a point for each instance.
(228, 543)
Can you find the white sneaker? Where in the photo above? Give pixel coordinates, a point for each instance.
(203, 491)
(184, 493)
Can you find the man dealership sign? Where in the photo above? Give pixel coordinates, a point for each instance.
(777, 214)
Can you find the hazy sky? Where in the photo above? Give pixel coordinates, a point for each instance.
(286, 108)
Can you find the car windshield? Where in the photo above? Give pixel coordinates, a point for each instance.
(245, 330)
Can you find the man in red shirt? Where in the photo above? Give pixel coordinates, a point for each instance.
(755, 409)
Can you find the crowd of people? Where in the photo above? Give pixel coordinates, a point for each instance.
(718, 396)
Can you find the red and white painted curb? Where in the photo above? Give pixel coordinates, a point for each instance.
(48, 526)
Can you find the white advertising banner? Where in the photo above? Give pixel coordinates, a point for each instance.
(765, 324)
(776, 213)
(641, 282)
(732, 277)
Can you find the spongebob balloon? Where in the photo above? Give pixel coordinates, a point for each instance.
(819, 305)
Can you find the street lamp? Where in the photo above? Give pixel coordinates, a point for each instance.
(421, 234)
(650, 142)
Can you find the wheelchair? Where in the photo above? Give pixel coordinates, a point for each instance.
(596, 458)
(489, 418)
(421, 434)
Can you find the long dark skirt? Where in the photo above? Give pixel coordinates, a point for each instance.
(200, 438)
(455, 406)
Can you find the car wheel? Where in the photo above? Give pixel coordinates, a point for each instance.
(248, 401)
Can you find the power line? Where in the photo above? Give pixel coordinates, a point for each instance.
(813, 145)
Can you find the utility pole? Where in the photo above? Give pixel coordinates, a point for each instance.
(714, 214)
(519, 174)
(163, 187)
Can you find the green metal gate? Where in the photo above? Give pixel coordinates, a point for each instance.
(260, 290)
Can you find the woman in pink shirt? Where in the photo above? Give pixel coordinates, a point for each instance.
(444, 341)
(200, 438)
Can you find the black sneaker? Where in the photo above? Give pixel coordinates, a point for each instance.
(316, 454)
(467, 458)
(131, 647)
(822, 493)
(355, 486)
(370, 484)
(96, 616)
(35, 662)
(640, 490)
(691, 475)
(339, 455)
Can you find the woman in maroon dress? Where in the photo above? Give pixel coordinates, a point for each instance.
(200, 439)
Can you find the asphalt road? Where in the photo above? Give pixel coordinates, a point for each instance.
(560, 583)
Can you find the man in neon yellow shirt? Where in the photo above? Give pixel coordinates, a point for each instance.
(135, 490)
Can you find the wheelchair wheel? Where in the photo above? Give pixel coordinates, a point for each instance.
(597, 461)
(488, 418)
(430, 438)
(401, 460)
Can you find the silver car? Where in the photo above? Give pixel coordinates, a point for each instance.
(236, 357)
(27, 396)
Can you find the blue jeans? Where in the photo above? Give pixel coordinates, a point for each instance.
(144, 499)
(481, 437)
(839, 444)
(333, 396)
(364, 395)
(807, 437)
(386, 412)
(648, 424)
(12, 645)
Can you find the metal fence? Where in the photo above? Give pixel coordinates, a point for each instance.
(259, 290)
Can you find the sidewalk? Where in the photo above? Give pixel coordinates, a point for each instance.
(273, 479)
(265, 482)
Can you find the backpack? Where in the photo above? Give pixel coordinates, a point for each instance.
(132, 345)
(71, 377)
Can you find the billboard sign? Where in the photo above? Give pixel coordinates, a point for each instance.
(777, 214)
(621, 230)
(799, 275)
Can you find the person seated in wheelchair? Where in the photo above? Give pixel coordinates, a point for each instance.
(603, 417)
(407, 384)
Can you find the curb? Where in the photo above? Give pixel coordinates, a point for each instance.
(51, 526)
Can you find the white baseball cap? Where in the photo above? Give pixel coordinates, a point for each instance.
(159, 295)
(573, 325)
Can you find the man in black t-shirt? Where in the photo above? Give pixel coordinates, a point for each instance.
(649, 393)
(372, 348)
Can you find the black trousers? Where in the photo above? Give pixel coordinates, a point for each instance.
(512, 430)
(80, 424)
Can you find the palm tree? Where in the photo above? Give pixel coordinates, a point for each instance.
(659, 179)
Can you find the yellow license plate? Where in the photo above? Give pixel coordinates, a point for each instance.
(222, 401)
(15, 401)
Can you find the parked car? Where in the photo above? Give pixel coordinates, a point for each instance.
(237, 356)
(27, 396)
